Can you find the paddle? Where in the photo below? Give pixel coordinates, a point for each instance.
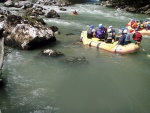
(144, 51)
(131, 30)
(127, 25)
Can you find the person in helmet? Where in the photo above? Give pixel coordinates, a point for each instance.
(146, 24)
(135, 24)
(104, 28)
(121, 33)
(91, 31)
(122, 37)
(122, 29)
(141, 25)
(113, 32)
(132, 22)
(75, 12)
(100, 33)
(109, 36)
(127, 38)
(137, 37)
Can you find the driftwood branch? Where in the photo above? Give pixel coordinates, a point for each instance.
(2, 57)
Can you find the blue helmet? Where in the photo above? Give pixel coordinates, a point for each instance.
(100, 26)
(123, 28)
(91, 26)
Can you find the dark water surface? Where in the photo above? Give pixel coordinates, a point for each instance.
(107, 83)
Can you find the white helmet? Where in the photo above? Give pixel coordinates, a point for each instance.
(110, 26)
(125, 31)
(108, 30)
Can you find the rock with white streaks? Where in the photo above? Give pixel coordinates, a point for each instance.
(24, 33)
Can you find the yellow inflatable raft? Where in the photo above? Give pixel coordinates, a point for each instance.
(111, 47)
(143, 32)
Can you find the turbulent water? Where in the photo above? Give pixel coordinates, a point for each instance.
(106, 83)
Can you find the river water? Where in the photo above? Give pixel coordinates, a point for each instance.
(107, 83)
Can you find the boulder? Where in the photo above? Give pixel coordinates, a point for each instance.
(35, 11)
(25, 34)
(4, 11)
(51, 52)
(9, 3)
(63, 9)
(76, 60)
(52, 14)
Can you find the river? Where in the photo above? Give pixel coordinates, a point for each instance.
(107, 83)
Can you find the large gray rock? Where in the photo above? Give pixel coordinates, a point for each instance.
(4, 11)
(35, 11)
(25, 34)
(9, 3)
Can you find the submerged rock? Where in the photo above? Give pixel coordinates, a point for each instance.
(63, 9)
(70, 34)
(77, 60)
(51, 52)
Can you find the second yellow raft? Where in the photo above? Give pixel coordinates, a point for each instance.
(143, 31)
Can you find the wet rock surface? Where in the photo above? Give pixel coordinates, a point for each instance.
(76, 60)
(25, 33)
(51, 52)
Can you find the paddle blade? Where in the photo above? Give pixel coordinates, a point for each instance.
(131, 31)
(127, 25)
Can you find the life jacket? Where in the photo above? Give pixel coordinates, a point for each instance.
(110, 35)
(141, 26)
(134, 25)
(122, 39)
(137, 36)
(127, 37)
(100, 33)
(144, 23)
(89, 31)
(148, 25)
